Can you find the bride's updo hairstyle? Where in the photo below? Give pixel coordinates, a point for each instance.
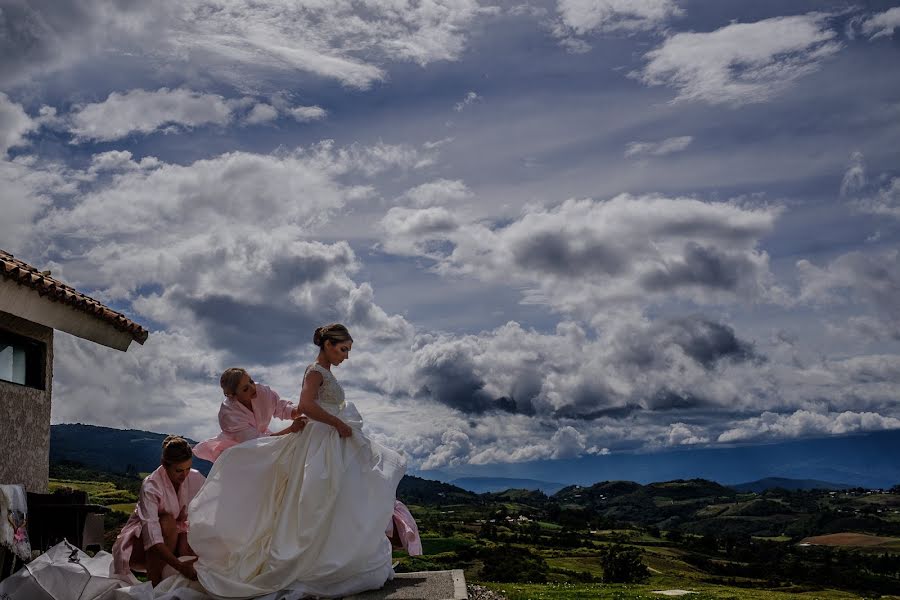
(333, 333)
(175, 449)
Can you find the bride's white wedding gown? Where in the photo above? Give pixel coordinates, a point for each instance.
(304, 512)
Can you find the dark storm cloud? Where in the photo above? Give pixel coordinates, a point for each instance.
(551, 252)
(700, 266)
(254, 333)
(705, 341)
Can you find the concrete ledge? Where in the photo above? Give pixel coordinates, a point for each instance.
(422, 585)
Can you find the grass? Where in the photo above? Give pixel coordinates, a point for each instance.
(432, 545)
(570, 591)
(126, 508)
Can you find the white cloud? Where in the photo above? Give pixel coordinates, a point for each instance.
(240, 41)
(27, 190)
(882, 24)
(308, 113)
(469, 99)
(661, 148)
(140, 111)
(741, 63)
(438, 192)
(14, 124)
(585, 16)
(855, 177)
(261, 113)
(869, 281)
(585, 255)
(881, 197)
(681, 434)
(806, 423)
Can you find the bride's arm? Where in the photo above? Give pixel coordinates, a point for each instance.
(311, 408)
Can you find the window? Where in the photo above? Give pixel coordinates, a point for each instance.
(22, 360)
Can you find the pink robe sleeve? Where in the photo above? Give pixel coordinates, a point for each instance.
(406, 526)
(237, 426)
(280, 408)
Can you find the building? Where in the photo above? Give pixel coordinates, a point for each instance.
(32, 305)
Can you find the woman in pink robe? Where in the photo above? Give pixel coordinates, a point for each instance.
(245, 414)
(155, 535)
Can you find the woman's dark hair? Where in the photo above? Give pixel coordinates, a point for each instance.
(175, 449)
(333, 333)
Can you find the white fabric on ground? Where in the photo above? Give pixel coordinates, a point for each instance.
(54, 575)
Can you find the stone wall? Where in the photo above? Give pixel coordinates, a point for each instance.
(25, 416)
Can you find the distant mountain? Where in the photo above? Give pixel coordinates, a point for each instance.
(789, 484)
(114, 450)
(867, 460)
(415, 490)
(480, 485)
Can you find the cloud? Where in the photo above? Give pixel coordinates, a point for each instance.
(28, 191)
(870, 281)
(308, 113)
(882, 24)
(741, 63)
(585, 255)
(879, 197)
(238, 41)
(674, 364)
(14, 125)
(469, 99)
(855, 177)
(680, 434)
(140, 111)
(666, 146)
(261, 113)
(586, 16)
(804, 423)
(221, 248)
(437, 193)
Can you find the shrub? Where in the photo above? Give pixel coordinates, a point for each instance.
(510, 564)
(622, 565)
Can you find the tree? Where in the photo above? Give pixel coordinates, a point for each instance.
(513, 564)
(622, 565)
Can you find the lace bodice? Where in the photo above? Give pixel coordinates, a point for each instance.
(331, 394)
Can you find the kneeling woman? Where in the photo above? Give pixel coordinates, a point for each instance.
(156, 533)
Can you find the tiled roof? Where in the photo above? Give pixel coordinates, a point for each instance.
(56, 291)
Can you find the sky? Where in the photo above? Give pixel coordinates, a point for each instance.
(556, 230)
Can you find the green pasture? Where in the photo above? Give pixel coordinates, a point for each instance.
(592, 591)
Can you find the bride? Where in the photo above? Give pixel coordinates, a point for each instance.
(304, 512)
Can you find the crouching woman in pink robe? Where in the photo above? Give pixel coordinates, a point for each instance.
(156, 534)
(245, 414)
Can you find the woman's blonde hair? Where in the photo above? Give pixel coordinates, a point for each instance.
(331, 333)
(175, 449)
(230, 380)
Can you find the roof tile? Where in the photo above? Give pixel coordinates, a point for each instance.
(24, 274)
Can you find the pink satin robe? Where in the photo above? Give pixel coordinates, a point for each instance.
(239, 424)
(157, 496)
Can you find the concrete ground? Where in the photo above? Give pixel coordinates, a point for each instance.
(424, 585)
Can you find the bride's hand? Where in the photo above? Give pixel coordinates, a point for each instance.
(343, 429)
(298, 424)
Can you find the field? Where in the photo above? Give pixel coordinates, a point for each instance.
(853, 540)
(569, 591)
(99, 492)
